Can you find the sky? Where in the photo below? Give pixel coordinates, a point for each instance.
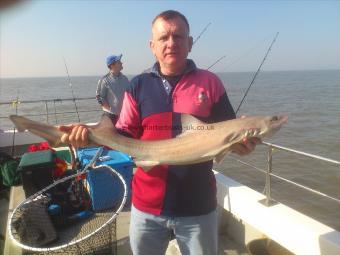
(35, 36)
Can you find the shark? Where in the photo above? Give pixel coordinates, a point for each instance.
(198, 142)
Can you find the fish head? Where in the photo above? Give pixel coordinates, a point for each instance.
(272, 124)
(261, 126)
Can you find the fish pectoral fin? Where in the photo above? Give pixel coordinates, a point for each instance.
(213, 153)
(220, 157)
(146, 165)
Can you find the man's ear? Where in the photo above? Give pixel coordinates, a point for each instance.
(151, 45)
(190, 43)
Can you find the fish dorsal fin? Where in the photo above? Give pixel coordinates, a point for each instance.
(189, 124)
(103, 131)
(220, 157)
(146, 165)
(187, 119)
(105, 124)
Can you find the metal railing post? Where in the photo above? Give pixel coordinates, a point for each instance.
(46, 107)
(268, 177)
(268, 201)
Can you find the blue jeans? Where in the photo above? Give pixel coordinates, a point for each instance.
(150, 234)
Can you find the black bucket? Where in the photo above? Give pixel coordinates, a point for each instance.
(265, 246)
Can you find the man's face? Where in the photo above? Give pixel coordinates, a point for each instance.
(171, 42)
(116, 67)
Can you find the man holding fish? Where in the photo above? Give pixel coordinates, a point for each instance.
(171, 199)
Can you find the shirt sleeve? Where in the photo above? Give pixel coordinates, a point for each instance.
(222, 109)
(129, 122)
(101, 92)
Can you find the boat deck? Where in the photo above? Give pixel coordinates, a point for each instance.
(226, 245)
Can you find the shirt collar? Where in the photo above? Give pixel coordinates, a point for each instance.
(115, 76)
(191, 66)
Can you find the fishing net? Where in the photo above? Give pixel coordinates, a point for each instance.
(60, 219)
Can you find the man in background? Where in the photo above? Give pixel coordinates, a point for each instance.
(111, 87)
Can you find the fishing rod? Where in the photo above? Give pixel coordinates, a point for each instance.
(246, 53)
(257, 72)
(69, 82)
(15, 104)
(218, 60)
(199, 36)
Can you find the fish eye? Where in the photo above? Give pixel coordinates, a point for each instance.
(274, 118)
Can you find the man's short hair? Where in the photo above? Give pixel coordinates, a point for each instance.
(169, 15)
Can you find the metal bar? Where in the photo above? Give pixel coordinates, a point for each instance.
(55, 112)
(16, 103)
(247, 164)
(284, 179)
(46, 107)
(307, 188)
(268, 177)
(302, 153)
(35, 115)
(40, 100)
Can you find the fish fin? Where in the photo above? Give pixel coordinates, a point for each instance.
(187, 119)
(235, 137)
(105, 124)
(146, 165)
(189, 124)
(49, 133)
(220, 157)
(103, 131)
(17, 123)
(212, 154)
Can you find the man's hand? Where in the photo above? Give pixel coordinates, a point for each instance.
(106, 107)
(246, 146)
(76, 135)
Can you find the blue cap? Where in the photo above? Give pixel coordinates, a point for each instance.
(113, 58)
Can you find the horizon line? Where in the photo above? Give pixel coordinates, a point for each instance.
(100, 75)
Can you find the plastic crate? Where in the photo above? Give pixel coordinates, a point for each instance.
(64, 154)
(103, 187)
(36, 169)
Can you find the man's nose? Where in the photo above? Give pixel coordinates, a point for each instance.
(171, 41)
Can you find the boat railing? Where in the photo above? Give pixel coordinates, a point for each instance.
(49, 108)
(268, 201)
(44, 100)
